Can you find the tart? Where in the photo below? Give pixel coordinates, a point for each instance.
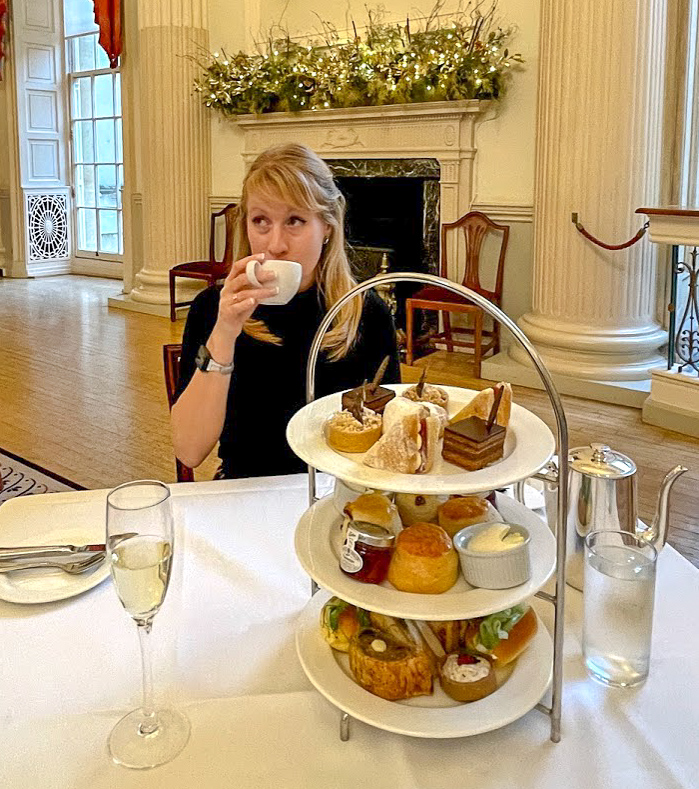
(467, 677)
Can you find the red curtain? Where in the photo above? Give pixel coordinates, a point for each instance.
(4, 4)
(108, 18)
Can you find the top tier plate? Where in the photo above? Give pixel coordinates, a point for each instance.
(529, 444)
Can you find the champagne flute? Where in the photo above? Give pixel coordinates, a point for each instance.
(140, 540)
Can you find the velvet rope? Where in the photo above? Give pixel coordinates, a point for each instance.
(580, 228)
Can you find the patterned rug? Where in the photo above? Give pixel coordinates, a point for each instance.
(23, 478)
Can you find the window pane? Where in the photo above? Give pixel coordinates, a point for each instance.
(117, 94)
(84, 53)
(82, 98)
(79, 16)
(83, 143)
(119, 146)
(102, 59)
(104, 131)
(85, 185)
(109, 232)
(87, 229)
(104, 96)
(120, 183)
(106, 186)
(121, 233)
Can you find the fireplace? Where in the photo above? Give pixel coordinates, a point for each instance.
(392, 215)
(416, 158)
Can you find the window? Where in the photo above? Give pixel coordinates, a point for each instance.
(97, 159)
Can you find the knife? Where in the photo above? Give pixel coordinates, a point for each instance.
(21, 555)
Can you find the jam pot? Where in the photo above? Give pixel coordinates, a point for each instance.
(366, 552)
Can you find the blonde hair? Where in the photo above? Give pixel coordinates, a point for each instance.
(296, 175)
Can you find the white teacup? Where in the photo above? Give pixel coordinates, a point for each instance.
(288, 278)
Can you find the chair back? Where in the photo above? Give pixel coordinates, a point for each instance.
(229, 215)
(476, 226)
(171, 365)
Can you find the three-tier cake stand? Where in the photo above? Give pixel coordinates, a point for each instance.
(531, 446)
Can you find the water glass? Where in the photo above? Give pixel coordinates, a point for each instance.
(619, 573)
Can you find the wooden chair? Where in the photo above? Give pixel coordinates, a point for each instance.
(476, 226)
(171, 364)
(209, 270)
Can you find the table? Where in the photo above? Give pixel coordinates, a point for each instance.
(224, 650)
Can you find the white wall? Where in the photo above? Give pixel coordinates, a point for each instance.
(504, 173)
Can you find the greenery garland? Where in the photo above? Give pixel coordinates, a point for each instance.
(387, 64)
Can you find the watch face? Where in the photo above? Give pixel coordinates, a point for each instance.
(203, 358)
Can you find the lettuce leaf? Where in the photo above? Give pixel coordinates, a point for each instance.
(496, 627)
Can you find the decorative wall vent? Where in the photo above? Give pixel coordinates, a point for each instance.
(47, 220)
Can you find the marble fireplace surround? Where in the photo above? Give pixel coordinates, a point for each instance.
(443, 131)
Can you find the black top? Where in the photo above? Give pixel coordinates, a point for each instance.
(268, 383)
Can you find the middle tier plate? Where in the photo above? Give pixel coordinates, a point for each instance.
(317, 540)
(529, 445)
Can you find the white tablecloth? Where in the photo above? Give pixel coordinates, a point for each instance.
(224, 650)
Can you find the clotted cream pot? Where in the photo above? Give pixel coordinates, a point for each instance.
(602, 495)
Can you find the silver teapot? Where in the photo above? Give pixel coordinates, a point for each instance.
(602, 495)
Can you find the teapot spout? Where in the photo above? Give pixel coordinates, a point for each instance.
(657, 534)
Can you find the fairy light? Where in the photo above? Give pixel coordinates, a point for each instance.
(445, 64)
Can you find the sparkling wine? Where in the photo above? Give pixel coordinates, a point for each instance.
(141, 573)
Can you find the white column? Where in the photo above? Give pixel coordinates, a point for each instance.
(174, 143)
(598, 153)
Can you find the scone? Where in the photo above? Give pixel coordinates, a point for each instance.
(457, 513)
(424, 560)
(414, 507)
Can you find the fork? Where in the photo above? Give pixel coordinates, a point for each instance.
(73, 568)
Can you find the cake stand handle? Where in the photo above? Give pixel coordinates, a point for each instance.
(561, 430)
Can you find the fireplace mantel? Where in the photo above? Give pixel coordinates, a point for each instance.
(443, 130)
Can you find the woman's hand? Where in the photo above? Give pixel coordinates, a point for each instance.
(237, 302)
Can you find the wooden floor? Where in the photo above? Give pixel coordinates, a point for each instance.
(82, 394)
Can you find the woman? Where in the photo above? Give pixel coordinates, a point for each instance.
(291, 209)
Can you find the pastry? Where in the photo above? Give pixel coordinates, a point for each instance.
(414, 507)
(429, 394)
(459, 512)
(481, 404)
(390, 660)
(339, 621)
(470, 445)
(345, 433)
(466, 677)
(411, 444)
(424, 560)
(370, 395)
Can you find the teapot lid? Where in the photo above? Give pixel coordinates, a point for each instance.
(599, 460)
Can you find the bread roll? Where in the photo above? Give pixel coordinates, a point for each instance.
(470, 634)
(424, 560)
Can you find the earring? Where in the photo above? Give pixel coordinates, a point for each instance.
(325, 240)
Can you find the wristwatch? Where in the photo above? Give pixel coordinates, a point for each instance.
(207, 364)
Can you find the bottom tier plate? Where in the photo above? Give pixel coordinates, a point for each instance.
(435, 716)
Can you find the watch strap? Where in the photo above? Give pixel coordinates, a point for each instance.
(206, 363)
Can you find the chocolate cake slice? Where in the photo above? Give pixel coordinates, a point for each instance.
(375, 400)
(470, 445)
